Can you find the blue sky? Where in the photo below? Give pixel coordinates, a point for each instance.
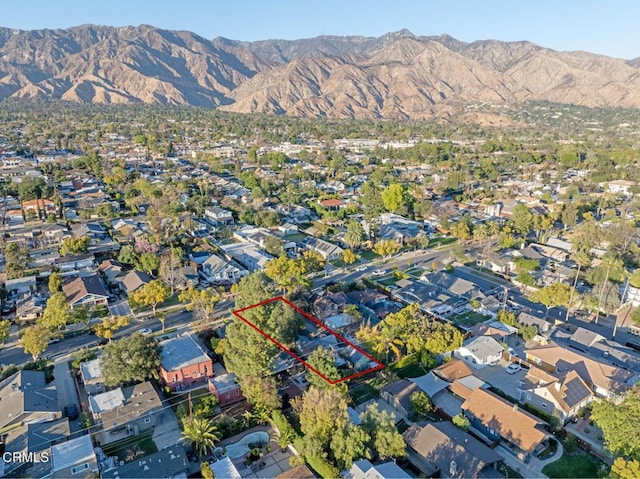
(607, 27)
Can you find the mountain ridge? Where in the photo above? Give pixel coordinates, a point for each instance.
(396, 75)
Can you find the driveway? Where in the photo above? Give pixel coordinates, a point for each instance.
(120, 308)
(66, 388)
(167, 431)
(498, 377)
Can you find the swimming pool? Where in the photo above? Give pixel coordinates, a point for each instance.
(239, 449)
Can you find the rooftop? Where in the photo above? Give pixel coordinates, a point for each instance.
(180, 352)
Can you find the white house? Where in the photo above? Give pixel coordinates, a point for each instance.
(217, 270)
(480, 351)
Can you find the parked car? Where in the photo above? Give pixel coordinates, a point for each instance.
(379, 272)
(361, 268)
(145, 331)
(71, 411)
(101, 341)
(513, 368)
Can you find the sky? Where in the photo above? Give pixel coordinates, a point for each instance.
(608, 27)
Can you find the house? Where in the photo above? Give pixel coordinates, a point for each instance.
(135, 279)
(442, 450)
(332, 204)
(169, 463)
(111, 270)
(248, 255)
(329, 304)
(430, 384)
(216, 270)
(452, 370)
(26, 398)
(186, 276)
(288, 229)
(531, 320)
(218, 216)
(398, 396)
(72, 264)
(605, 380)
(298, 472)
(582, 339)
(92, 378)
(363, 469)
(224, 468)
(560, 398)
(74, 458)
(85, 291)
(125, 412)
(619, 187)
(480, 351)
(325, 249)
(226, 388)
(496, 419)
(39, 207)
(183, 362)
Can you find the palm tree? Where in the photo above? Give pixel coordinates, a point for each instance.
(201, 433)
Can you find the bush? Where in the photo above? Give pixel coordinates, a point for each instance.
(81, 356)
(322, 467)
(8, 371)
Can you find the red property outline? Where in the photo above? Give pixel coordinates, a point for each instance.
(298, 358)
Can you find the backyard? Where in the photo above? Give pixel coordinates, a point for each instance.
(578, 464)
(132, 448)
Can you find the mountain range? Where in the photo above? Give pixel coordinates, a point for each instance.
(397, 75)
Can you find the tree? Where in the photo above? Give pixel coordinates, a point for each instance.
(421, 403)
(324, 411)
(151, 294)
(201, 301)
(109, 325)
(288, 273)
(205, 471)
(170, 261)
(525, 279)
(461, 421)
(461, 230)
(556, 294)
(349, 257)
(380, 426)
(521, 220)
(55, 282)
(201, 433)
(149, 262)
(386, 248)
(34, 340)
(5, 330)
(261, 392)
(619, 424)
(622, 469)
(443, 338)
(507, 317)
(132, 358)
(323, 361)
(128, 255)
(394, 197)
(31, 188)
(350, 444)
(74, 245)
(355, 234)
(569, 215)
(56, 313)
(527, 332)
(16, 260)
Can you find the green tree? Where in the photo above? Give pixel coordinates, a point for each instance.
(443, 338)
(31, 188)
(74, 245)
(386, 248)
(349, 257)
(350, 444)
(56, 313)
(149, 262)
(380, 426)
(521, 220)
(421, 403)
(205, 471)
(324, 411)
(355, 235)
(109, 325)
(507, 317)
(34, 340)
(619, 424)
(151, 294)
(323, 361)
(201, 301)
(569, 215)
(622, 469)
(556, 294)
(128, 255)
(16, 260)
(131, 358)
(288, 273)
(526, 279)
(5, 330)
(461, 230)
(55, 282)
(527, 332)
(201, 433)
(461, 421)
(261, 393)
(394, 197)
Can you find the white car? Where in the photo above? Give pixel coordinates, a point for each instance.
(379, 272)
(145, 331)
(361, 268)
(513, 368)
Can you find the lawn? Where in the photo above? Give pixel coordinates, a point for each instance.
(134, 447)
(440, 241)
(408, 367)
(470, 318)
(362, 393)
(578, 464)
(368, 255)
(415, 272)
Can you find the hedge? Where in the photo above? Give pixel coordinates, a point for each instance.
(322, 467)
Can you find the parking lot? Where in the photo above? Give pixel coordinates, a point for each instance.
(498, 377)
